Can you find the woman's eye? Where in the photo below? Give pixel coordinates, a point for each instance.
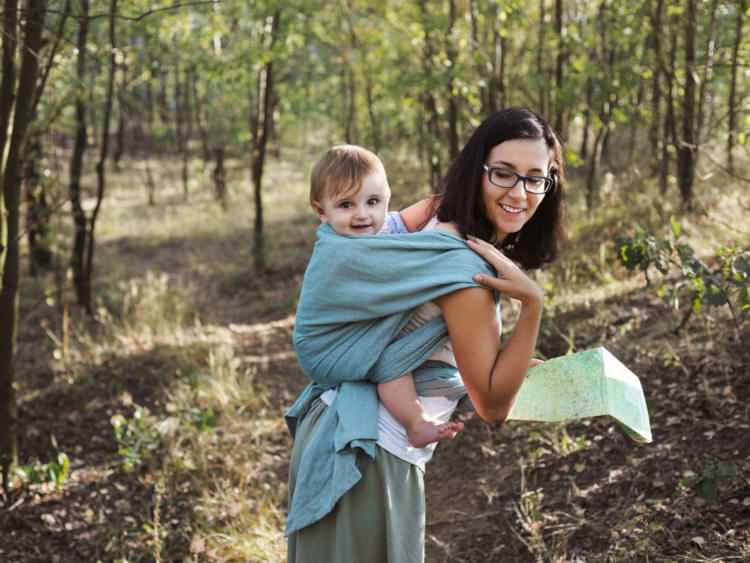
(502, 175)
(535, 182)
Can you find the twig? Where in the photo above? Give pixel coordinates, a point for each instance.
(461, 520)
(130, 18)
(48, 213)
(720, 165)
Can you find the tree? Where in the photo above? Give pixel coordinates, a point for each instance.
(686, 149)
(11, 184)
(732, 136)
(260, 137)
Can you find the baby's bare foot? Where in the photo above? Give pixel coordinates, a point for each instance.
(425, 431)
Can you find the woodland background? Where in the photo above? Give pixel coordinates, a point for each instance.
(155, 160)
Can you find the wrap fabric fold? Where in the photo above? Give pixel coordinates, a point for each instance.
(357, 295)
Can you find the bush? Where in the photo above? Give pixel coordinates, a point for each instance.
(726, 282)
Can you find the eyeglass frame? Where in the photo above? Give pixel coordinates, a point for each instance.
(549, 181)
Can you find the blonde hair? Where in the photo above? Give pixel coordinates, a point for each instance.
(342, 169)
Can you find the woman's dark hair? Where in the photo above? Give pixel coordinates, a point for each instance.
(461, 199)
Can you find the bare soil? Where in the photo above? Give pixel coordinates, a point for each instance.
(525, 492)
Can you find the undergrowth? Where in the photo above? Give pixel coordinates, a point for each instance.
(191, 393)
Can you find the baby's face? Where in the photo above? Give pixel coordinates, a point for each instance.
(358, 213)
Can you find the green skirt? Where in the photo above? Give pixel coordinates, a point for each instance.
(380, 520)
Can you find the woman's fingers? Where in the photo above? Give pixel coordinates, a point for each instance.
(497, 284)
(510, 280)
(491, 254)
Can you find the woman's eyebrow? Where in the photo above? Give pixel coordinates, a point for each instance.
(512, 166)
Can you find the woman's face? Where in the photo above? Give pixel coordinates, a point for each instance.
(510, 208)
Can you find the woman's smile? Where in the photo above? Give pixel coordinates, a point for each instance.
(510, 209)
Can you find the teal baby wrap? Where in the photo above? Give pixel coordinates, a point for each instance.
(358, 293)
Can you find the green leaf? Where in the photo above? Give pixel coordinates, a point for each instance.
(715, 296)
(676, 229)
(697, 304)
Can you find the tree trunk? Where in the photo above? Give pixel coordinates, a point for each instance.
(119, 150)
(101, 179)
(11, 181)
(450, 53)
(150, 183)
(587, 118)
(540, 56)
(76, 165)
(669, 134)
(8, 408)
(732, 137)
(559, 109)
(433, 137)
(122, 108)
(656, 33)
(351, 101)
(374, 125)
(350, 81)
(37, 208)
(179, 127)
(706, 79)
(259, 153)
(8, 83)
(592, 188)
(200, 118)
(686, 151)
(503, 94)
(220, 177)
(480, 68)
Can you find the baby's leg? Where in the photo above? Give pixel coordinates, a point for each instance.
(400, 398)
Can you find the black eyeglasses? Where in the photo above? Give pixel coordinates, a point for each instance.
(503, 178)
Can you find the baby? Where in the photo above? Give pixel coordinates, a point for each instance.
(349, 191)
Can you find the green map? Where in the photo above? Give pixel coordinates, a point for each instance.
(582, 385)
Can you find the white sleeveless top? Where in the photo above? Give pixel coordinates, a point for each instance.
(391, 435)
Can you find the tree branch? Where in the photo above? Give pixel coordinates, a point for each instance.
(137, 18)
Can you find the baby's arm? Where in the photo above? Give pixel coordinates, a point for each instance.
(419, 214)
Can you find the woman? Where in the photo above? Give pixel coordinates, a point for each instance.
(504, 191)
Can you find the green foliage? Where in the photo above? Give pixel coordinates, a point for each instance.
(53, 473)
(707, 485)
(203, 420)
(138, 438)
(725, 282)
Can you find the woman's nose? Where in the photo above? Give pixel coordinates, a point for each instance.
(518, 191)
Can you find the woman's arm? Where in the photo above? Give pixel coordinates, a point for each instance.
(493, 375)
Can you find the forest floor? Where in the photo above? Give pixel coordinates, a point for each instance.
(169, 404)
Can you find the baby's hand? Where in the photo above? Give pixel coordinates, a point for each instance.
(535, 362)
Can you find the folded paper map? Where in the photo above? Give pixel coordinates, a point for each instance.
(590, 383)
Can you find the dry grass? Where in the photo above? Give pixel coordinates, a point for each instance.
(206, 338)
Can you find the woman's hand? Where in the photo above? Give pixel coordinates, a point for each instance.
(511, 280)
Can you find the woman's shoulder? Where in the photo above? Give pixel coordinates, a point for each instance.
(435, 225)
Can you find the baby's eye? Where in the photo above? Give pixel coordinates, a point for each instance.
(373, 201)
(345, 204)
